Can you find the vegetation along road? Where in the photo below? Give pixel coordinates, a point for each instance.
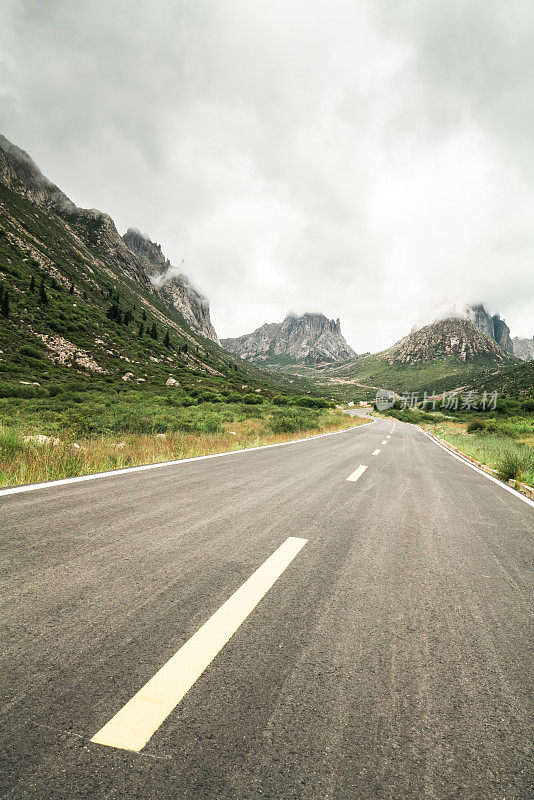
(342, 617)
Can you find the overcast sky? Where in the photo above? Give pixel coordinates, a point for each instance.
(369, 160)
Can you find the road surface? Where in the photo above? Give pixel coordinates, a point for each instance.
(377, 646)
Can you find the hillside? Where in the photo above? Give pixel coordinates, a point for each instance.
(78, 306)
(308, 339)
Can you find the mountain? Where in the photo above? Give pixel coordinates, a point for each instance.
(96, 228)
(523, 348)
(454, 337)
(308, 339)
(444, 355)
(19, 172)
(493, 326)
(78, 307)
(174, 287)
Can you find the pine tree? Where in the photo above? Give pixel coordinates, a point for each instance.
(32, 284)
(184, 348)
(43, 297)
(141, 329)
(114, 313)
(154, 332)
(5, 304)
(71, 290)
(167, 340)
(144, 316)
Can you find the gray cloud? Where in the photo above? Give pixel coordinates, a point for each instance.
(369, 160)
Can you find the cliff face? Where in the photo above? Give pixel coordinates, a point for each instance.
(455, 337)
(523, 348)
(309, 339)
(173, 286)
(493, 326)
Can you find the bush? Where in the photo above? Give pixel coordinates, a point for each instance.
(310, 402)
(476, 425)
(208, 397)
(32, 352)
(509, 466)
(252, 399)
(291, 421)
(233, 397)
(280, 400)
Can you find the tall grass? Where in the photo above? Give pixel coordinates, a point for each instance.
(25, 460)
(512, 459)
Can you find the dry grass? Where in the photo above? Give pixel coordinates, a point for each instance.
(24, 462)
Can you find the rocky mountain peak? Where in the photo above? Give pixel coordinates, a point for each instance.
(306, 339)
(454, 336)
(175, 288)
(492, 325)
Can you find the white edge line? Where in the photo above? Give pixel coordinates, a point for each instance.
(481, 471)
(31, 487)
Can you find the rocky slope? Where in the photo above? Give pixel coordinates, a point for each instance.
(173, 286)
(454, 337)
(523, 348)
(308, 339)
(492, 325)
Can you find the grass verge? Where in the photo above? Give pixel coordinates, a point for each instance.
(505, 445)
(30, 457)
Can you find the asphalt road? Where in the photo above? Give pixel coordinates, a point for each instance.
(388, 660)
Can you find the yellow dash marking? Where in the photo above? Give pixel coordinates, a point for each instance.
(139, 719)
(357, 473)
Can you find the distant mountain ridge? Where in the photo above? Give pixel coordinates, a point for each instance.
(306, 339)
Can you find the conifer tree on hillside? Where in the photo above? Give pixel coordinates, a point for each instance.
(43, 297)
(5, 304)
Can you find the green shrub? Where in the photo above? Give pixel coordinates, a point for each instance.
(33, 352)
(509, 466)
(310, 402)
(291, 421)
(209, 397)
(476, 425)
(252, 399)
(280, 400)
